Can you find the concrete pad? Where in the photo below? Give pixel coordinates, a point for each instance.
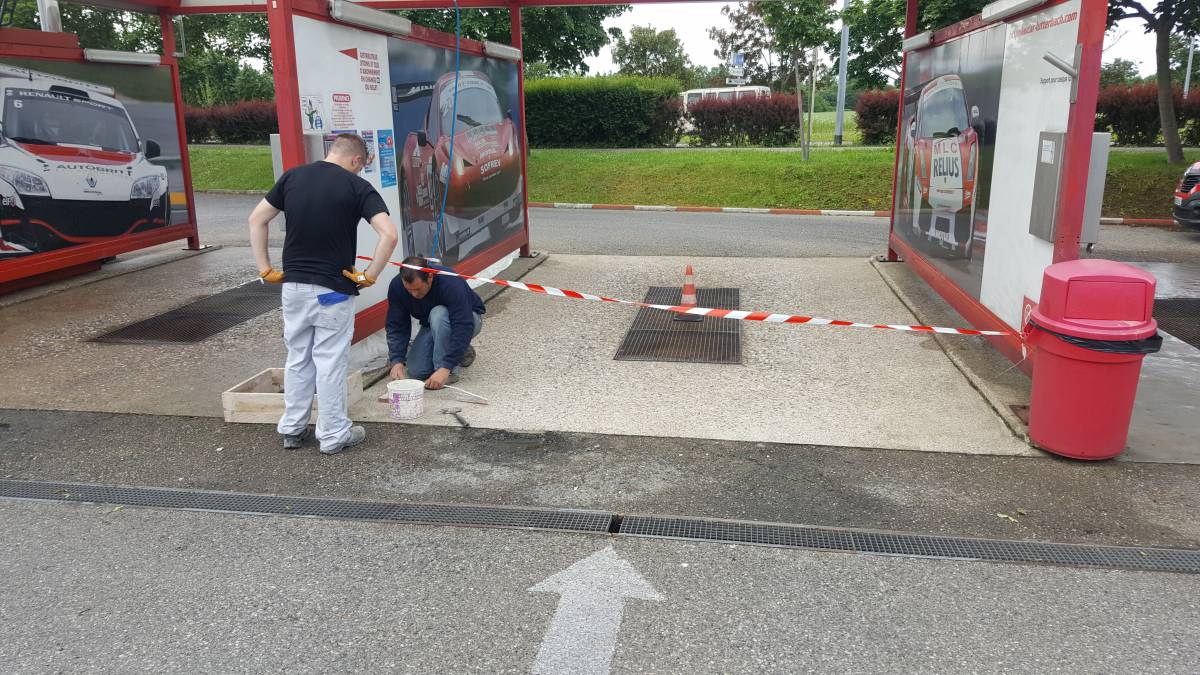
(49, 364)
(546, 364)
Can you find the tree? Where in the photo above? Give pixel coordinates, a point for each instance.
(706, 76)
(652, 53)
(560, 37)
(768, 58)
(99, 28)
(877, 31)
(1119, 71)
(1170, 17)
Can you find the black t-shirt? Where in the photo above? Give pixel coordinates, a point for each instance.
(323, 203)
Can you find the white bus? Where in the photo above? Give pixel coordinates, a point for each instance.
(722, 93)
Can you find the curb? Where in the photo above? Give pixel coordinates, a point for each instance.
(1155, 222)
(709, 209)
(1018, 428)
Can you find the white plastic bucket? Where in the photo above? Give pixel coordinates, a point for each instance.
(407, 398)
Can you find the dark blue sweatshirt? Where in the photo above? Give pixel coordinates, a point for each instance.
(460, 301)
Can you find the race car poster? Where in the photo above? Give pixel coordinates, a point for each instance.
(481, 184)
(947, 147)
(88, 152)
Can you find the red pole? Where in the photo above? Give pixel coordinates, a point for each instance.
(287, 89)
(515, 16)
(910, 29)
(168, 58)
(1077, 152)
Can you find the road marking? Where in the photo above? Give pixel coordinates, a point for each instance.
(583, 633)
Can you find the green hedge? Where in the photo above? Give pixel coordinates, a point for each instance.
(602, 112)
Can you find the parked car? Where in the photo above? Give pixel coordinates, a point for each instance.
(72, 168)
(482, 188)
(1187, 198)
(942, 167)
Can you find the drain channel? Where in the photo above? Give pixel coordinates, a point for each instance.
(1184, 561)
(234, 502)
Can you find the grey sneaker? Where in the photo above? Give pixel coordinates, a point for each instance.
(468, 358)
(357, 435)
(294, 441)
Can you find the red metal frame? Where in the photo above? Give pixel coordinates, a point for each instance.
(1069, 220)
(168, 58)
(515, 19)
(36, 44)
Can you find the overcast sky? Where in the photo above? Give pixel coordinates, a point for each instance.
(692, 20)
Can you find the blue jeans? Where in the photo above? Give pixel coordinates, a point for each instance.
(432, 343)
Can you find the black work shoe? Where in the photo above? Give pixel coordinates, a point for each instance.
(294, 441)
(468, 358)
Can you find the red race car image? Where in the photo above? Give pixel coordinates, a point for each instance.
(940, 168)
(482, 183)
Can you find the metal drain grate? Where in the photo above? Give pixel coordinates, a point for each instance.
(911, 545)
(201, 319)
(1179, 317)
(656, 336)
(235, 502)
(1184, 561)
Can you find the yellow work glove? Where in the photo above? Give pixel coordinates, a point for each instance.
(272, 276)
(359, 278)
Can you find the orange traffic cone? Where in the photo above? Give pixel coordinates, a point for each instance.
(688, 297)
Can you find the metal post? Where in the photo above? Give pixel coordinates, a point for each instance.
(800, 106)
(1187, 74)
(812, 98)
(49, 16)
(841, 98)
(169, 58)
(287, 89)
(514, 13)
(911, 14)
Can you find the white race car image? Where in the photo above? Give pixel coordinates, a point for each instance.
(72, 168)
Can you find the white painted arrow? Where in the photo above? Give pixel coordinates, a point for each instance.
(583, 633)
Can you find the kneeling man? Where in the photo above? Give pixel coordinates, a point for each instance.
(450, 314)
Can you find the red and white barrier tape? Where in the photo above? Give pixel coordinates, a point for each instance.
(741, 315)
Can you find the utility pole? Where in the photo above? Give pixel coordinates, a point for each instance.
(812, 99)
(1187, 76)
(841, 98)
(800, 105)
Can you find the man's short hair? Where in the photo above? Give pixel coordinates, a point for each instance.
(410, 275)
(349, 145)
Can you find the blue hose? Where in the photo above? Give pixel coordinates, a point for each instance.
(437, 236)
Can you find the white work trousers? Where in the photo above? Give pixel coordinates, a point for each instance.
(318, 344)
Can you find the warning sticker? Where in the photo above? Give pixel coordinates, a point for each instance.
(313, 110)
(343, 110)
(368, 136)
(369, 72)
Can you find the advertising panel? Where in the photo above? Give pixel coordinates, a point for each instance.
(481, 185)
(976, 109)
(1035, 97)
(947, 148)
(88, 153)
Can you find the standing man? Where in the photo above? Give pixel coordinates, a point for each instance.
(451, 315)
(323, 203)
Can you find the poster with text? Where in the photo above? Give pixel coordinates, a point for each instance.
(947, 145)
(88, 153)
(460, 153)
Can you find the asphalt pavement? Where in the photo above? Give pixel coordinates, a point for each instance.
(100, 589)
(653, 233)
(94, 588)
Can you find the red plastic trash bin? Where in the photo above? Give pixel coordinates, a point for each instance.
(1090, 332)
